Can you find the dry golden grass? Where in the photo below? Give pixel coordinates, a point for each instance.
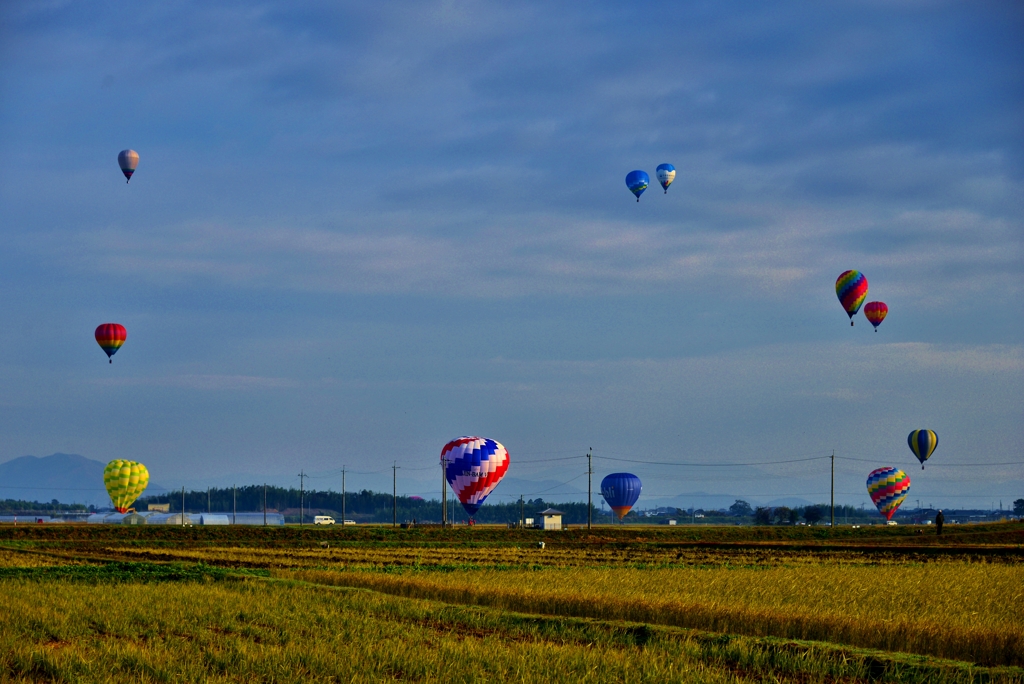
(19, 559)
(898, 600)
(961, 610)
(257, 631)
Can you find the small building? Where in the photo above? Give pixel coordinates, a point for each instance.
(214, 519)
(134, 519)
(552, 519)
(171, 519)
(105, 517)
(159, 508)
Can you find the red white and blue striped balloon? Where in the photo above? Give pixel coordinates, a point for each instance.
(473, 467)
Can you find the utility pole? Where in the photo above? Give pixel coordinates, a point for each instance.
(342, 496)
(444, 497)
(394, 493)
(208, 509)
(182, 506)
(522, 513)
(302, 494)
(234, 504)
(590, 472)
(833, 489)
(264, 504)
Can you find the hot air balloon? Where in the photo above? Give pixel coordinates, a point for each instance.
(666, 173)
(128, 160)
(876, 312)
(851, 288)
(888, 487)
(473, 467)
(621, 490)
(923, 443)
(637, 182)
(110, 336)
(125, 481)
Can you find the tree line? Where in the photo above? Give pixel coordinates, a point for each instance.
(9, 506)
(361, 506)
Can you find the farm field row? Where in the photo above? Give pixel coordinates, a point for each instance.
(944, 607)
(969, 611)
(228, 629)
(1006, 534)
(455, 557)
(776, 608)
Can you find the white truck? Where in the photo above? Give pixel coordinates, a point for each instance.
(323, 520)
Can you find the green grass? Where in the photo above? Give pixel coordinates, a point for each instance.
(128, 572)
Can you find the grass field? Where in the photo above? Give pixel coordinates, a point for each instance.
(104, 603)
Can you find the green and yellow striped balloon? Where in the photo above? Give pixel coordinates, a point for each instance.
(125, 481)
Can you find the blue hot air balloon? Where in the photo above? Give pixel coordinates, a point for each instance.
(666, 173)
(621, 490)
(637, 181)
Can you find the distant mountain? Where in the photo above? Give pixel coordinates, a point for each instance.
(789, 502)
(69, 478)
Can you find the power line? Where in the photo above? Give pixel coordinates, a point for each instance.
(561, 484)
(935, 465)
(712, 465)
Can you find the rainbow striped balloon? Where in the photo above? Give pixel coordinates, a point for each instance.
(852, 289)
(124, 481)
(923, 443)
(110, 337)
(888, 487)
(473, 467)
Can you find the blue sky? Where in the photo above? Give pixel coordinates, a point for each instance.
(356, 233)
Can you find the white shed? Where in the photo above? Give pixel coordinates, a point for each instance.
(214, 519)
(552, 519)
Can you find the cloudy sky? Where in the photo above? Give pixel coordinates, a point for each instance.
(356, 233)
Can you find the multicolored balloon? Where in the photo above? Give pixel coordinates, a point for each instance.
(666, 173)
(473, 467)
(876, 312)
(125, 481)
(128, 160)
(923, 443)
(888, 487)
(110, 336)
(637, 182)
(621, 490)
(851, 288)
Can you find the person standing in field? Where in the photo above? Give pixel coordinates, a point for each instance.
(939, 519)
